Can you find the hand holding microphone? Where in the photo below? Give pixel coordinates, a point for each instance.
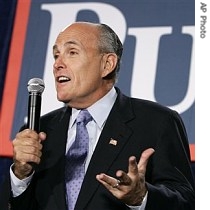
(27, 144)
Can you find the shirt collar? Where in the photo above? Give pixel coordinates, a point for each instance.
(99, 110)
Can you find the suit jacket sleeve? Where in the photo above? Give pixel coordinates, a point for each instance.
(172, 183)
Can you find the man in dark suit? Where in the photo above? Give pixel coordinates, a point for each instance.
(138, 156)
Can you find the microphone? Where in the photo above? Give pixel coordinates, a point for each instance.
(35, 88)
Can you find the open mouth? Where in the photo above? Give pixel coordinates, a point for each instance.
(63, 79)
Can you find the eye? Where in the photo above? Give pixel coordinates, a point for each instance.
(72, 52)
(55, 56)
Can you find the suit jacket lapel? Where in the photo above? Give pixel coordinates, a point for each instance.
(57, 131)
(116, 129)
(55, 155)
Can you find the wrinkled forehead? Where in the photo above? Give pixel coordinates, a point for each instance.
(84, 33)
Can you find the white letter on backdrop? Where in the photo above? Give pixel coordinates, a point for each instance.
(145, 65)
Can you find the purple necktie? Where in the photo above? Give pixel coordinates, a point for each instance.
(75, 159)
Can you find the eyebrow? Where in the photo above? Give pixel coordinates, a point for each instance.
(71, 42)
(55, 47)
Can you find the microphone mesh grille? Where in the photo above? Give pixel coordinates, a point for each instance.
(36, 85)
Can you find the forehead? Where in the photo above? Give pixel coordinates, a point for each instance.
(81, 34)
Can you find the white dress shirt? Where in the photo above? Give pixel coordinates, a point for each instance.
(99, 112)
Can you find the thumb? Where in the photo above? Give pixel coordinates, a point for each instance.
(42, 136)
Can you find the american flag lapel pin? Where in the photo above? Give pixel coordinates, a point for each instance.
(113, 142)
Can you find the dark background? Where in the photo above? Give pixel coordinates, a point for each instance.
(7, 13)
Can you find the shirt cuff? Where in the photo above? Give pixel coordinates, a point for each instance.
(19, 186)
(142, 206)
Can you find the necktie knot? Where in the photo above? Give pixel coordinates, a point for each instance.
(84, 116)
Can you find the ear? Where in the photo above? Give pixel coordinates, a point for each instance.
(109, 63)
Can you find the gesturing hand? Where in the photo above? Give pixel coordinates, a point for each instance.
(129, 187)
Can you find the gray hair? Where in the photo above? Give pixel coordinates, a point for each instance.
(110, 42)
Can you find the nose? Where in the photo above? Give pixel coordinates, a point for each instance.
(58, 64)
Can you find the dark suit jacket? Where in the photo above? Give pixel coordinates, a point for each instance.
(136, 125)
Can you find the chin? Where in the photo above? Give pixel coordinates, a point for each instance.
(61, 99)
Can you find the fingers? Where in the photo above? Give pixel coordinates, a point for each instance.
(108, 181)
(27, 149)
(146, 154)
(123, 177)
(127, 185)
(117, 184)
(27, 146)
(134, 170)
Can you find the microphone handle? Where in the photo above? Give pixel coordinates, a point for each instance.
(34, 108)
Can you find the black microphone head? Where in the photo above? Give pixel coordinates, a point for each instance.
(36, 85)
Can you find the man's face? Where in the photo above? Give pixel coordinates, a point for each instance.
(79, 66)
